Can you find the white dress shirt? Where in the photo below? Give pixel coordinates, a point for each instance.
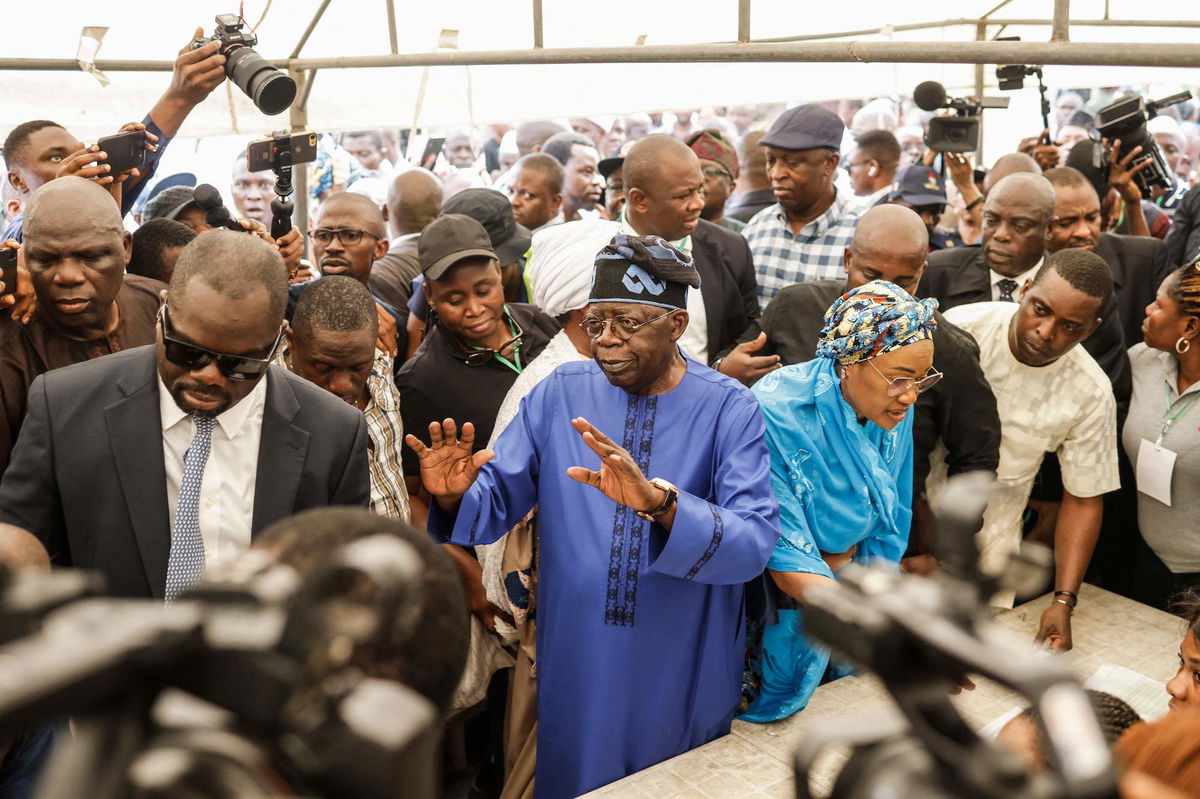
(227, 489)
(1020, 280)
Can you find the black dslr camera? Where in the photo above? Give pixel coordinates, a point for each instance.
(958, 133)
(920, 636)
(270, 89)
(1125, 119)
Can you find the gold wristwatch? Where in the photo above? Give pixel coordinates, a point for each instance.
(668, 500)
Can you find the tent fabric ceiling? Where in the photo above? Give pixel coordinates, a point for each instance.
(458, 95)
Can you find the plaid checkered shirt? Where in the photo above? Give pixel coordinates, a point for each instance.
(385, 429)
(815, 253)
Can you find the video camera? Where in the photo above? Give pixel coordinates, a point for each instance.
(269, 702)
(1125, 119)
(958, 133)
(920, 636)
(270, 89)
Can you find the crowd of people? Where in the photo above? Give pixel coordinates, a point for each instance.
(647, 379)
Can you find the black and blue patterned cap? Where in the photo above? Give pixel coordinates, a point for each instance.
(645, 270)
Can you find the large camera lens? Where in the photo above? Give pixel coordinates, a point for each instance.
(270, 89)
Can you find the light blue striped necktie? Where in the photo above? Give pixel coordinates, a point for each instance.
(186, 561)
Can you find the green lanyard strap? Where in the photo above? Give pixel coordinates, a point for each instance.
(1169, 418)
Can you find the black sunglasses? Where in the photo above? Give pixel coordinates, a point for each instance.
(189, 356)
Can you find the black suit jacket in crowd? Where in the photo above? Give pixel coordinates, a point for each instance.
(87, 475)
(1183, 241)
(960, 276)
(728, 284)
(1139, 264)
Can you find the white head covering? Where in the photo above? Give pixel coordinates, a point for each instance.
(560, 267)
(508, 143)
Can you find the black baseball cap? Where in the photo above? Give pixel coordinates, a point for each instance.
(493, 210)
(171, 203)
(806, 127)
(919, 185)
(449, 239)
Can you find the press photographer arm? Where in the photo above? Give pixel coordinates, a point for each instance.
(1122, 170)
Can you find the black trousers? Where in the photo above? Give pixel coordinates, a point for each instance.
(1154, 584)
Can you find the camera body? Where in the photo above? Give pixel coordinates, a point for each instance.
(230, 32)
(1125, 119)
(270, 89)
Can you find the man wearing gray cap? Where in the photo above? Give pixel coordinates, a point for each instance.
(805, 233)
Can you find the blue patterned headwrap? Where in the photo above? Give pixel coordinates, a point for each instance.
(872, 319)
(643, 269)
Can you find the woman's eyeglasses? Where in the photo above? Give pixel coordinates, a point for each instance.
(896, 386)
(189, 356)
(348, 235)
(478, 356)
(623, 327)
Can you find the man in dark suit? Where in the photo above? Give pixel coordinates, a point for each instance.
(413, 201)
(149, 505)
(1016, 219)
(1138, 263)
(664, 195)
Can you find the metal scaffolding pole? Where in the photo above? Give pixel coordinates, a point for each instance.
(743, 21)
(1178, 54)
(298, 117)
(1059, 31)
(537, 23)
(308, 31)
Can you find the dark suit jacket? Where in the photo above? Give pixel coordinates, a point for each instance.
(1139, 264)
(1183, 242)
(960, 277)
(392, 275)
(728, 284)
(87, 474)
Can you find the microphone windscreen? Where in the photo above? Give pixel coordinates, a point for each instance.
(929, 96)
(208, 197)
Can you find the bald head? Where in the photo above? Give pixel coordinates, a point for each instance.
(890, 243)
(532, 135)
(74, 201)
(894, 228)
(653, 156)
(413, 201)
(362, 208)
(1028, 189)
(1010, 164)
(19, 550)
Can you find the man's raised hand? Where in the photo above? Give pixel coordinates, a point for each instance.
(619, 477)
(448, 467)
(742, 364)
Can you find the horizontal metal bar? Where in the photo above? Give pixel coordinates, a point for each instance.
(1164, 54)
(951, 23)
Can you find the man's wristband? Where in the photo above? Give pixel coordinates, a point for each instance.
(1066, 604)
(969, 206)
(1074, 596)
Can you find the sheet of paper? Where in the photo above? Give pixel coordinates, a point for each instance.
(1154, 467)
(1148, 697)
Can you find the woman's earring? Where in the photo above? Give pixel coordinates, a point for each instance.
(1183, 345)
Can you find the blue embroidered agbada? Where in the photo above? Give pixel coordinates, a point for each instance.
(640, 639)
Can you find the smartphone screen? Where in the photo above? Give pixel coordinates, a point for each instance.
(433, 149)
(125, 150)
(8, 271)
(260, 154)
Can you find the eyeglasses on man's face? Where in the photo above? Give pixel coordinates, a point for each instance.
(188, 356)
(349, 236)
(623, 327)
(897, 386)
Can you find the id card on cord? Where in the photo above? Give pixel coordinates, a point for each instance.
(1155, 464)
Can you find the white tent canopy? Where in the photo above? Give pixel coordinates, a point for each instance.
(348, 98)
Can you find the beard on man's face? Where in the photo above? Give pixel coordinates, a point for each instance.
(214, 401)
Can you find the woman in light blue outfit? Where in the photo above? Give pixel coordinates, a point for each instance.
(840, 436)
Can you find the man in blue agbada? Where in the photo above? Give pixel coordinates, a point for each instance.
(840, 435)
(639, 640)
